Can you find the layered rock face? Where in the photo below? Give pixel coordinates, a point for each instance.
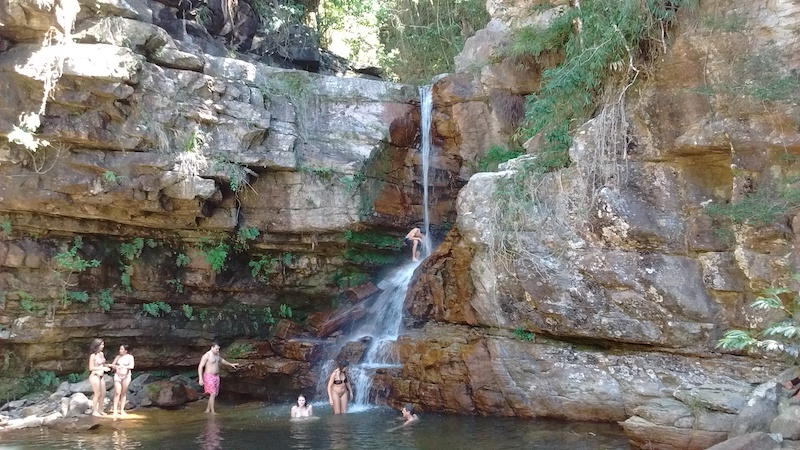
(616, 282)
(155, 191)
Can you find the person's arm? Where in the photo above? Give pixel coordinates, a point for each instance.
(350, 388)
(234, 365)
(132, 362)
(201, 368)
(92, 368)
(410, 420)
(330, 387)
(114, 363)
(310, 410)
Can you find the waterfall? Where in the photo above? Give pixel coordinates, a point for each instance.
(425, 118)
(383, 320)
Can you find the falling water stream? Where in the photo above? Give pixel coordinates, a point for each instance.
(383, 322)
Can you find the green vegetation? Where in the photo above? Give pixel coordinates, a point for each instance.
(26, 301)
(761, 207)
(82, 297)
(353, 182)
(421, 39)
(243, 236)
(263, 268)
(761, 75)
(106, 299)
(600, 40)
(5, 227)
(298, 90)
(324, 174)
(239, 350)
(182, 260)
(69, 263)
(177, 284)
(349, 279)
(112, 179)
(374, 239)
(267, 317)
(496, 155)
(782, 335)
(156, 309)
(238, 175)
(188, 311)
(215, 254)
(78, 377)
(286, 311)
(129, 251)
(523, 335)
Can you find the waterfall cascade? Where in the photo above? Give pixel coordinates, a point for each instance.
(383, 322)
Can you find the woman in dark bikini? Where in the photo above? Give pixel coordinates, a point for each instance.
(98, 367)
(338, 389)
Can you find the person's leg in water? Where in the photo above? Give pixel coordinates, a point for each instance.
(340, 402)
(117, 393)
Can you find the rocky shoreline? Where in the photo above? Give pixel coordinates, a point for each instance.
(71, 402)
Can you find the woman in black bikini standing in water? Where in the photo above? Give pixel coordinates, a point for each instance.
(338, 389)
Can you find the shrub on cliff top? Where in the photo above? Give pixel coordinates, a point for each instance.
(601, 41)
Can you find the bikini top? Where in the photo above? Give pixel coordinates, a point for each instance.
(99, 359)
(340, 380)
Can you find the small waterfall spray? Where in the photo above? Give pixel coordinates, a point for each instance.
(383, 321)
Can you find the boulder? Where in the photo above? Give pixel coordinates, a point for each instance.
(166, 394)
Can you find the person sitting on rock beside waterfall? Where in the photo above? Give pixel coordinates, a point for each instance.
(208, 374)
(339, 387)
(98, 368)
(414, 240)
(302, 409)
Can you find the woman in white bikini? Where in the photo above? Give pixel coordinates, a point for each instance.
(123, 364)
(97, 368)
(338, 389)
(302, 409)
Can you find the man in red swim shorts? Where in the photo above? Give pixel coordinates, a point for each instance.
(208, 374)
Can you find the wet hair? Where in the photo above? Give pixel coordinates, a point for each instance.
(126, 347)
(303, 397)
(215, 344)
(343, 363)
(409, 407)
(95, 346)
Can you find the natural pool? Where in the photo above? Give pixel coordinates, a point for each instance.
(256, 426)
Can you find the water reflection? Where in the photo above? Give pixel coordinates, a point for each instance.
(300, 432)
(121, 441)
(211, 436)
(258, 426)
(339, 432)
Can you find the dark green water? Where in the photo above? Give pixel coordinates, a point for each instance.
(256, 426)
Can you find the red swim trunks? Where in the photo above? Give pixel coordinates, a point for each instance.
(211, 383)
